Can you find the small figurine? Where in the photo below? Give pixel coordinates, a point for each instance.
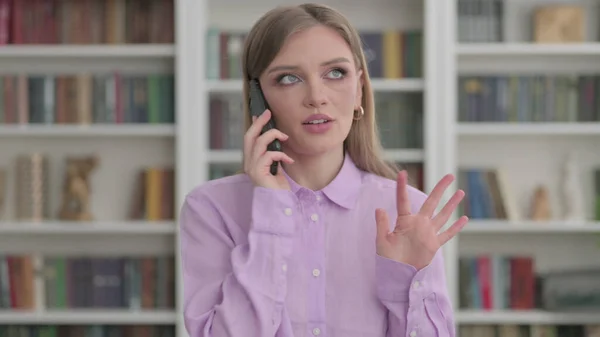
(76, 190)
(541, 205)
(572, 194)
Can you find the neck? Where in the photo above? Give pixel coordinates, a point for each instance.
(315, 172)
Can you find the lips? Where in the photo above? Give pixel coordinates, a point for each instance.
(317, 119)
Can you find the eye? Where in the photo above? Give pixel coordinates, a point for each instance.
(287, 79)
(337, 73)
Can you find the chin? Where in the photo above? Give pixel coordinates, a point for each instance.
(316, 146)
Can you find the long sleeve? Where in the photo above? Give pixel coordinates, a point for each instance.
(233, 289)
(417, 301)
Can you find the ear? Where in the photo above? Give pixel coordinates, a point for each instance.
(359, 89)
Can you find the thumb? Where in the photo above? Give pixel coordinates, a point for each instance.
(383, 223)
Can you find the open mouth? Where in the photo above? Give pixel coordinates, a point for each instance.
(317, 121)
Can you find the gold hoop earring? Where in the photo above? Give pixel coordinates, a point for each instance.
(361, 112)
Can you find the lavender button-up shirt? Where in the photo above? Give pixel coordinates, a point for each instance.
(261, 262)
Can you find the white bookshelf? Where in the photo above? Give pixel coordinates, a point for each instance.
(525, 318)
(123, 150)
(483, 129)
(87, 317)
(498, 227)
(529, 154)
(91, 130)
(64, 228)
(137, 51)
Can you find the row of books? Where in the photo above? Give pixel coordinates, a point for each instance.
(487, 194)
(534, 330)
(154, 194)
(497, 282)
(399, 119)
(480, 21)
(529, 98)
(87, 330)
(511, 282)
(87, 98)
(87, 21)
(89, 282)
(390, 54)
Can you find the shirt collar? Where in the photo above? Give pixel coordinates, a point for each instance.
(343, 190)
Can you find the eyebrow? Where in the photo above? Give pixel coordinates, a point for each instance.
(326, 63)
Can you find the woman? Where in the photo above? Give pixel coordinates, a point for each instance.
(311, 251)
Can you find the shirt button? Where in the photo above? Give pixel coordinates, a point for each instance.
(316, 272)
(416, 284)
(284, 267)
(413, 333)
(319, 198)
(314, 217)
(316, 331)
(288, 211)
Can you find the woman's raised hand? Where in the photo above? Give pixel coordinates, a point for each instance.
(257, 160)
(416, 238)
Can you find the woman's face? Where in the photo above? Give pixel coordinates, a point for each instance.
(313, 88)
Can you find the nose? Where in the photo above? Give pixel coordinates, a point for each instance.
(315, 95)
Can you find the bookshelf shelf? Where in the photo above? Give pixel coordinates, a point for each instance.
(532, 227)
(528, 49)
(225, 156)
(405, 155)
(89, 51)
(399, 85)
(89, 130)
(399, 155)
(526, 317)
(533, 158)
(88, 317)
(91, 228)
(528, 129)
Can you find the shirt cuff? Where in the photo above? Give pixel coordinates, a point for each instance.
(401, 282)
(273, 211)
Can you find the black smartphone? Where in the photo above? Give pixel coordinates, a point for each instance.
(258, 105)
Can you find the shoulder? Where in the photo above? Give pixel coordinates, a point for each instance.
(227, 191)
(386, 188)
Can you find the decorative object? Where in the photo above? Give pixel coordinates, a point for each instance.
(558, 24)
(572, 192)
(31, 187)
(76, 189)
(540, 209)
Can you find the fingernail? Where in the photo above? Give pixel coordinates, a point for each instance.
(254, 118)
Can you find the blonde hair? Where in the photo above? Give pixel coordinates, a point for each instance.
(266, 38)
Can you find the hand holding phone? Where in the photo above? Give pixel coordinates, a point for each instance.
(262, 145)
(258, 105)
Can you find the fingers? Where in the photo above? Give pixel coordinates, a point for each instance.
(383, 223)
(261, 143)
(255, 144)
(402, 200)
(456, 227)
(254, 130)
(265, 161)
(442, 217)
(433, 200)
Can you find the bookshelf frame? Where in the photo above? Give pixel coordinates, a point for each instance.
(444, 60)
(513, 56)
